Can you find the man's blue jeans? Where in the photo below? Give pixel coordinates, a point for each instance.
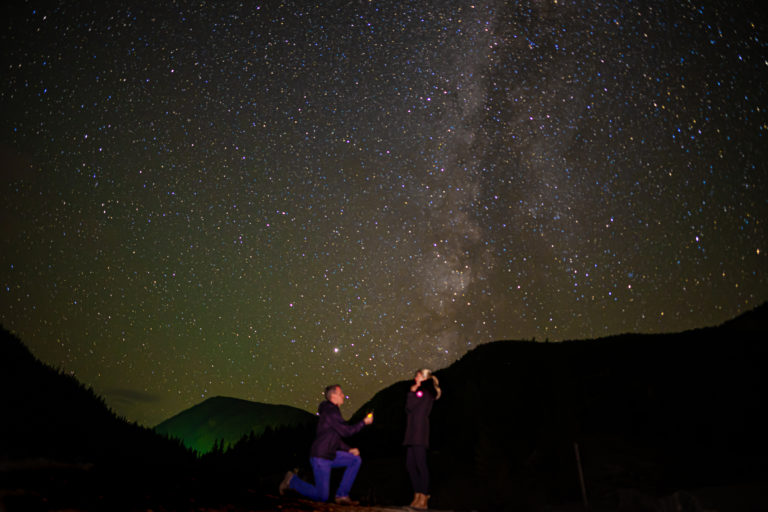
(322, 470)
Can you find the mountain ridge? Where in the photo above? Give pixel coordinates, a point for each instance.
(649, 412)
(652, 415)
(225, 420)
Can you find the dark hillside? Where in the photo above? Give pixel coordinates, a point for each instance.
(649, 413)
(661, 422)
(51, 415)
(59, 441)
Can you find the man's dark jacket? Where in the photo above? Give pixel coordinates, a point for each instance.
(331, 427)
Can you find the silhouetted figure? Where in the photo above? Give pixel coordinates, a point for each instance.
(330, 451)
(418, 405)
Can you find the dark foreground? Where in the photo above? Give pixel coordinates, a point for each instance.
(672, 422)
(45, 486)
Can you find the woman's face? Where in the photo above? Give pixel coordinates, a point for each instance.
(420, 377)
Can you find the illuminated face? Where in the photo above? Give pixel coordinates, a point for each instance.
(337, 396)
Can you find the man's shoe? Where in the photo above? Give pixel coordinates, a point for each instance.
(286, 482)
(344, 500)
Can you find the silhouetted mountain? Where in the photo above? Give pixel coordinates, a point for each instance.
(227, 420)
(61, 447)
(751, 321)
(49, 414)
(651, 413)
(661, 422)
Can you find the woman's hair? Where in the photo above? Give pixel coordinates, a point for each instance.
(430, 384)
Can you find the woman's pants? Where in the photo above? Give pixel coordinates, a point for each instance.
(416, 462)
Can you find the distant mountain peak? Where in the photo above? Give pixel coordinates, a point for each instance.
(228, 419)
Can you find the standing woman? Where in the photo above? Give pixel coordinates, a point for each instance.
(418, 405)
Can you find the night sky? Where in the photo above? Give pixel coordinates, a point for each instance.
(259, 199)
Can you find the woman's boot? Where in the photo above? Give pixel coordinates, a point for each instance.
(421, 501)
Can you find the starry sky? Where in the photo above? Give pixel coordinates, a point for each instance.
(257, 199)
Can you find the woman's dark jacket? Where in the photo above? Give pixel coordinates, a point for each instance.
(331, 427)
(418, 405)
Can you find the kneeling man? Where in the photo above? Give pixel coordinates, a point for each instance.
(330, 451)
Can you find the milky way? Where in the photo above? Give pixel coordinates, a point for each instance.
(257, 200)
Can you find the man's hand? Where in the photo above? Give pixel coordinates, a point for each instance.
(355, 452)
(368, 418)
